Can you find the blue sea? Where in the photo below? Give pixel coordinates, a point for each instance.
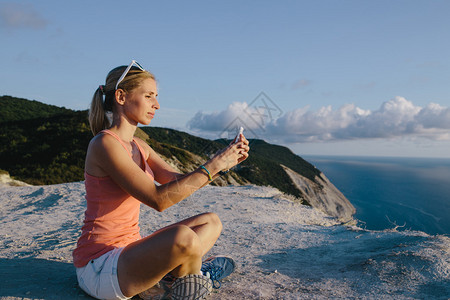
(411, 193)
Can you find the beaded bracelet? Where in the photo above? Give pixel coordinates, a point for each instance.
(207, 171)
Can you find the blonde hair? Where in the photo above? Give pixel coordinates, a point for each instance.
(104, 97)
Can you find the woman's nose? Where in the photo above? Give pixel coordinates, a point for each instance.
(156, 104)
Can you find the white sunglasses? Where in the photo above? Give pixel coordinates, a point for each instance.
(133, 62)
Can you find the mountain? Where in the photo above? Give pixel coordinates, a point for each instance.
(18, 109)
(263, 167)
(44, 144)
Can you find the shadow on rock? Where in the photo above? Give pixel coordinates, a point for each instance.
(33, 278)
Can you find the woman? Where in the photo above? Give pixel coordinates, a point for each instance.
(112, 260)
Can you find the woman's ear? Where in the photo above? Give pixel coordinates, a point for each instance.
(120, 96)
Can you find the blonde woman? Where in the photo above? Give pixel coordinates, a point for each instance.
(111, 258)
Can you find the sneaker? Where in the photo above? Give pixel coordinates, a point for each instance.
(218, 267)
(190, 287)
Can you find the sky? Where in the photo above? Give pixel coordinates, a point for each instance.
(349, 77)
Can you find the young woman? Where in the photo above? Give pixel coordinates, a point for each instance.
(112, 260)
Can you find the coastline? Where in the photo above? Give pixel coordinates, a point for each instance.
(391, 191)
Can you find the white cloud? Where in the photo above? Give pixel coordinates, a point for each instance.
(237, 112)
(396, 118)
(15, 15)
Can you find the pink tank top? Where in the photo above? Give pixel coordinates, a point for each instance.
(111, 219)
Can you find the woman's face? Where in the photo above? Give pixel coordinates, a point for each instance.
(141, 103)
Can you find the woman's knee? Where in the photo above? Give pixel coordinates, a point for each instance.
(214, 220)
(186, 241)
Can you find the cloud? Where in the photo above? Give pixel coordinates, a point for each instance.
(396, 118)
(15, 16)
(237, 112)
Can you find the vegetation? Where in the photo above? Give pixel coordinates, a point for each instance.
(282, 155)
(19, 109)
(44, 144)
(261, 168)
(45, 150)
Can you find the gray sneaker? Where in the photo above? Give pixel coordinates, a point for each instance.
(191, 287)
(218, 267)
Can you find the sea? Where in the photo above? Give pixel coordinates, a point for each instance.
(392, 192)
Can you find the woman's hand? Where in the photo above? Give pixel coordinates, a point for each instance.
(244, 146)
(232, 155)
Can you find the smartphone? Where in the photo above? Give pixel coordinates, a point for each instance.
(237, 139)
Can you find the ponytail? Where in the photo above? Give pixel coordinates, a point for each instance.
(97, 114)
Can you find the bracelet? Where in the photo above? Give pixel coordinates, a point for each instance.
(207, 171)
(221, 173)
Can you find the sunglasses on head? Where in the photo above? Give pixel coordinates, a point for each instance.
(133, 63)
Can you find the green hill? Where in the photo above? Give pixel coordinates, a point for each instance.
(261, 168)
(17, 109)
(45, 150)
(44, 144)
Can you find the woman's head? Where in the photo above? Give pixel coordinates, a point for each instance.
(104, 99)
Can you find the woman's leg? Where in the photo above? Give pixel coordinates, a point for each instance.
(207, 226)
(177, 248)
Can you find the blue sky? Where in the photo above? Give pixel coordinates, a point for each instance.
(322, 77)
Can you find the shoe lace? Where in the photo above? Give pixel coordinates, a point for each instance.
(215, 272)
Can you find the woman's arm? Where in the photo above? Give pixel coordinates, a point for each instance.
(113, 159)
(163, 172)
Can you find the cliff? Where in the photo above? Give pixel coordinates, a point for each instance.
(6, 180)
(323, 195)
(283, 250)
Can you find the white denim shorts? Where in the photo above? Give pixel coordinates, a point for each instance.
(99, 277)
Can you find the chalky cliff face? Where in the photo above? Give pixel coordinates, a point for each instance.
(6, 180)
(283, 250)
(323, 195)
